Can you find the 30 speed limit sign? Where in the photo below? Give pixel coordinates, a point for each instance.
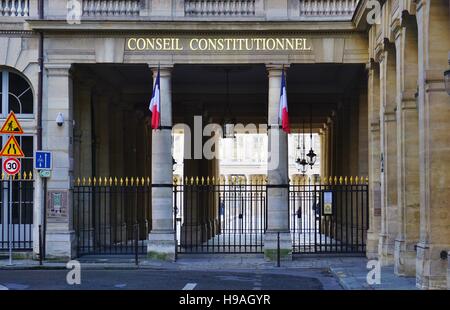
(11, 166)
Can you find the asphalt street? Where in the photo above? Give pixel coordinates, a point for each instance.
(148, 279)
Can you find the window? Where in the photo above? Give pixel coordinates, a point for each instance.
(15, 93)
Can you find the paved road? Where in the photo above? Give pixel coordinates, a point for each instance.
(145, 279)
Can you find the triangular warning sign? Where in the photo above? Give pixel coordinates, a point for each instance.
(12, 148)
(11, 125)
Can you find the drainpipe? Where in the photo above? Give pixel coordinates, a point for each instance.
(39, 123)
(41, 76)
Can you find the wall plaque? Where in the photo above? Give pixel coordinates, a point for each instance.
(57, 205)
(327, 203)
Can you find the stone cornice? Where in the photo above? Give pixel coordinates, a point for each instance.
(190, 26)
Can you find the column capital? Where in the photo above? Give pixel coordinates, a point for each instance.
(165, 70)
(58, 69)
(275, 69)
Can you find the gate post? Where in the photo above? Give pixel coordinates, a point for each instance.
(278, 181)
(161, 240)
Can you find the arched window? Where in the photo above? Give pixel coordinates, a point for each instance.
(15, 94)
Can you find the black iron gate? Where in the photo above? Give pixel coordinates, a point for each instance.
(329, 215)
(21, 230)
(212, 216)
(112, 216)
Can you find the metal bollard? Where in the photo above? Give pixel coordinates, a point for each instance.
(40, 245)
(278, 249)
(136, 244)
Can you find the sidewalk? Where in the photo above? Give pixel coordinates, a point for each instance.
(351, 272)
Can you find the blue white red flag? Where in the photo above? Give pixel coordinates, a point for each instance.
(155, 104)
(283, 114)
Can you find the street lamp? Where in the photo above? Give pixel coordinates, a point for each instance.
(174, 164)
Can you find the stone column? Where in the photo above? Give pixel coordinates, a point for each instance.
(322, 151)
(60, 236)
(374, 162)
(277, 172)
(407, 149)
(434, 135)
(102, 202)
(193, 230)
(161, 243)
(330, 147)
(83, 155)
(389, 223)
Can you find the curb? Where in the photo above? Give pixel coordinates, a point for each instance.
(339, 275)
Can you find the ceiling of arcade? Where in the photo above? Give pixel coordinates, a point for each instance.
(202, 89)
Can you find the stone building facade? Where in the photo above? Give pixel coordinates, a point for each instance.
(367, 75)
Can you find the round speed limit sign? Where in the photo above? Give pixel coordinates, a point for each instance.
(11, 166)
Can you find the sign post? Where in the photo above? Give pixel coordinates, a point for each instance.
(11, 166)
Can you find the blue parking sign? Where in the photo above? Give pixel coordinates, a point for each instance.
(43, 160)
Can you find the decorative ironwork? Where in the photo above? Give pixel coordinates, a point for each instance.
(329, 215)
(109, 213)
(212, 216)
(22, 211)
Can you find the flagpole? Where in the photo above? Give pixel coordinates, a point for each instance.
(158, 80)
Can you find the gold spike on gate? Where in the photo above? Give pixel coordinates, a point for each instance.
(121, 181)
(213, 180)
(203, 180)
(89, 181)
(345, 180)
(351, 180)
(341, 180)
(356, 180)
(207, 180)
(367, 180)
(83, 181)
(95, 181)
(126, 181)
(115, 181)
(78, 181)
(110, 181)
(148, 181)
(132, 181)
(335, 180)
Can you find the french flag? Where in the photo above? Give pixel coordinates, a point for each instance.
(155, 104)
(283, 113)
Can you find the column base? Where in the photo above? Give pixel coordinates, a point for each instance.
(271, 246)
(431, 270)
(161, 245)
(372, 245)
(60, 245)
(404, 258)
(385, 251)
